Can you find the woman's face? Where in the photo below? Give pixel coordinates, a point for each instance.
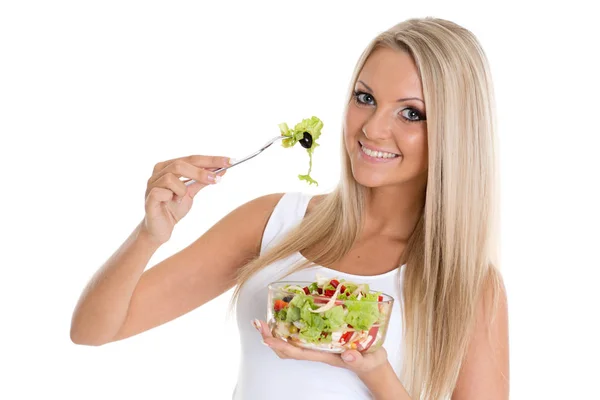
(385, 131)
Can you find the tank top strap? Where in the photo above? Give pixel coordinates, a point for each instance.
(287, 214)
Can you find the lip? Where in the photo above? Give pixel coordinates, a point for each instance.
(378, 149)
(374, 160)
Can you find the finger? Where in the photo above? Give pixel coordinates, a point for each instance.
(262, 328)
(290, 351)
(193, 189)
(156, 196)
(267, 335)
(209, 162)
(216, 169)
(352, 356)
(285, 350)
(223, 172)
(281, 355)
(172, 183)
(180, 169)
(196, 160)
(364, 362)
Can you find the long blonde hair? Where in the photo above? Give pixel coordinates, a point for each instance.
(452, 255)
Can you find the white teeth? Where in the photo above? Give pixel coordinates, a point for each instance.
(378, 154)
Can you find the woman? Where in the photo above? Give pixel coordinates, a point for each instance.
(414, 215)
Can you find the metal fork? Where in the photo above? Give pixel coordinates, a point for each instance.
(237, 162)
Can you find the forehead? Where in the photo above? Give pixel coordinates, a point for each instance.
(391, 71)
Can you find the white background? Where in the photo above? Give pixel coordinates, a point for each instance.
(93, 94)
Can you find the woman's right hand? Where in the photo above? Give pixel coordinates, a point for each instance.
(168, 199)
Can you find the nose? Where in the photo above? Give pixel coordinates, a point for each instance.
(378, 126)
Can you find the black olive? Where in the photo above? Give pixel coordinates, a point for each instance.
(306, 141)
(287, 299)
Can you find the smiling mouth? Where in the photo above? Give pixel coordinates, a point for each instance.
(377, 154)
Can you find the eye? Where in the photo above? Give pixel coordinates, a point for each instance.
(412, 115)
(364, 98)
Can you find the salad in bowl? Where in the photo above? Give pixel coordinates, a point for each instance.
(331, 315)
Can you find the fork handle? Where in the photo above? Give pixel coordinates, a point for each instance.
(270, 142)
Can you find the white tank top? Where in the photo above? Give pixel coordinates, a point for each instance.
(263, 375)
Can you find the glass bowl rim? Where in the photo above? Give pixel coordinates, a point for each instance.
(270, 286)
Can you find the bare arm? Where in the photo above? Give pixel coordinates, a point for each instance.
(122, 300)
(103, 304)
(485, 371)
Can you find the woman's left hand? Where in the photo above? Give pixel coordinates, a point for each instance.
(350, 359)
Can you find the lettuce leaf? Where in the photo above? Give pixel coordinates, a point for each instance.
(335, 317)
(361, 320)
(281, 315)
(310, 334)
(305, 314)
(315, 325)
(311, 125)
(363, 314)
(293, 314)
(301, 299)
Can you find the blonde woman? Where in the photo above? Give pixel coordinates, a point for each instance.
(414, 215)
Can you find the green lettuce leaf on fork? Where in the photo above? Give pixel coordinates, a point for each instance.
(311, 125)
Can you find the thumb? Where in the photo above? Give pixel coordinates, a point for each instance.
(352, 357)
(194, 188)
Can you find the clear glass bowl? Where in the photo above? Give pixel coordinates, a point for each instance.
(328, 331)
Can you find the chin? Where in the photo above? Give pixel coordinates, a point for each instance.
(369, 179)
(377, 179)
(372, 176)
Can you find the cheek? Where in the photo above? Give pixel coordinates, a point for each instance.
(424, 147)
(350, 128)
(353, 121)
(416, 150)
(422, 151)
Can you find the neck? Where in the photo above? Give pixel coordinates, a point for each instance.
(394, 210)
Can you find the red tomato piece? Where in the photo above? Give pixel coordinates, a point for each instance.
(346, 336)
(305, 288)
(335, 283)
(373, 334)
(280, 305)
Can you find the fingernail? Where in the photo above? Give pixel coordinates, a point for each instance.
(218, 179)
(256, 324)
(265, 343)
(348, 357)
(232, 161)
(212, 177)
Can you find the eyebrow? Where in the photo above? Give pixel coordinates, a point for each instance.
(403, 99)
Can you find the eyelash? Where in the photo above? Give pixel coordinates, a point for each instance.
(358, 101)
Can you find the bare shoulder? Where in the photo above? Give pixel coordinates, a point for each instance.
(246, 223)
(265, 203)
(314, 201)
(259, 210)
